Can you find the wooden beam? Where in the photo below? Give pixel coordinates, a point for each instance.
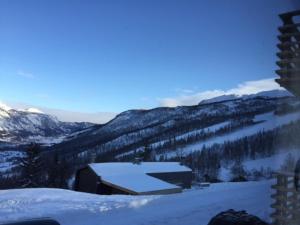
(288, 28)
(289, 15)
(288, 45)
(288, 63)
(288, 73)
(291, 84)
(287, 37)
(287, 55)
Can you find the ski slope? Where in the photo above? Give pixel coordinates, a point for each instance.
(193, 207)
(272, 163)
(267, 121)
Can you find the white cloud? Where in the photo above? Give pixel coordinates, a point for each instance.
(71, 116)
(253, 87)
(246, 88)
(64, 115)
(187, 97)
(25, 74)
(185, 91)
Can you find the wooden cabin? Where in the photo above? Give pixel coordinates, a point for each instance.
(147, 178)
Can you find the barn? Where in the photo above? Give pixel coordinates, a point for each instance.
(147, 178)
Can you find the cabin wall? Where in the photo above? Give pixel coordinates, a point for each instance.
(182, 179)
(162, 192)
(86, 181)
(104, 189)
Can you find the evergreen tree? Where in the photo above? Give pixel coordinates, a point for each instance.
(59, 172)
(238, 172)
(289, 163)
(147, 154)
(33, 174)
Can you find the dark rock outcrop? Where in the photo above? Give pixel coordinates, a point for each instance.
(232, 217)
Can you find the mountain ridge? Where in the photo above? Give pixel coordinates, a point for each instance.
(132, 130)
(270, 94)
(31, 125)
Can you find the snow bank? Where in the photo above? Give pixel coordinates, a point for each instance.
(194, 207)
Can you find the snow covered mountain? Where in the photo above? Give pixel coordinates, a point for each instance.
(166, 133)
(187, 128)
(32, 125)
(269, 94)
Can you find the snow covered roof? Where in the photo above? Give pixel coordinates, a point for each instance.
(138, 183)
(108, 169)
(134, 177)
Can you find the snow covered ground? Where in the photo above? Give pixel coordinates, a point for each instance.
(213, 128)
(8, 159)
(268, 121)
(191, 207)
(273, 163)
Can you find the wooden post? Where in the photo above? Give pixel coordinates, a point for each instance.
(286, 201)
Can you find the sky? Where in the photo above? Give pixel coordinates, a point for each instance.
(88, 60)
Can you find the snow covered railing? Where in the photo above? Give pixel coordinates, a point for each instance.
(286, 200)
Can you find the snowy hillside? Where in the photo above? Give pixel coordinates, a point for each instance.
(193, 207)
(32, 125)
(188, 128)
(221, 128)
(263, 165)
(265, 122)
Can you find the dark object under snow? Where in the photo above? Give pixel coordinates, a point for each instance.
(44, 221)
(232, 217)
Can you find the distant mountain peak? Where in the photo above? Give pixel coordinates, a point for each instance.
(268, 94)
(33, 110)
(22, 126)
(7, 108)
(4, 107)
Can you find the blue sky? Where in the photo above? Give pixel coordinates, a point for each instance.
(110, 56)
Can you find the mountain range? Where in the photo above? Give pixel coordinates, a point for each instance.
(165, 131)
(186, 127)
(31, 125)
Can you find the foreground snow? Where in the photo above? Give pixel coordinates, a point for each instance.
(190, 207)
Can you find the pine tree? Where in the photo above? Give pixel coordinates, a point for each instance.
(238, 172)
(147, 153)
(289, 163)
(32, 168)
(59, 172)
